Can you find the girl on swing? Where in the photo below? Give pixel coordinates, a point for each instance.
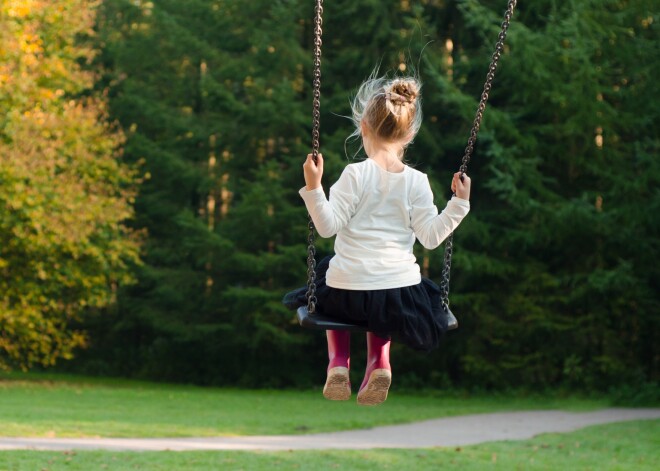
(377, 208)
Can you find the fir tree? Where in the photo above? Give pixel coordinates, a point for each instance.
(553, 281)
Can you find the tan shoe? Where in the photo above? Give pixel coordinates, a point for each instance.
(375, 391)
(337, 385)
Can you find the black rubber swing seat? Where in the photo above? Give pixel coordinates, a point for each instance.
(318, 322)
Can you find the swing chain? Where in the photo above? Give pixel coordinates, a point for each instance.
(499, 48)
(316, 102)
(446, 269)
(316, 122)
(311, 269)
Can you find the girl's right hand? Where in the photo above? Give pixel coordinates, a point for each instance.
(313, 172)
(461, 188)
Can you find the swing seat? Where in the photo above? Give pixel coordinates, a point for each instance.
(318, 322)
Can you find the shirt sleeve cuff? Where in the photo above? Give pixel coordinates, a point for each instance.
(460, 202)
(312, 194)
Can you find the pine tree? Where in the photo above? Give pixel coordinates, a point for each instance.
(210, 93)
(552, 286)
(215, 98)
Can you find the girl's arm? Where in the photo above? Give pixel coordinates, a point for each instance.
(431, 228)
(330, 216)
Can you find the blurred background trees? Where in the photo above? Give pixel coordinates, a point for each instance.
(554, 278)
(64, 190)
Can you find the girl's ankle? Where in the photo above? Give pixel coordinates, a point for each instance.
(380, 364)
(339, 361)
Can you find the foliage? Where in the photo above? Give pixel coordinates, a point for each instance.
(196, 86)
(63, 191)
(554, 279)
(569, 190)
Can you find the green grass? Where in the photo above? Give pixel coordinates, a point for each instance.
(622, 446)
(37, 405)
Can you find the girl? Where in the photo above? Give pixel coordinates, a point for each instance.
(377, 208)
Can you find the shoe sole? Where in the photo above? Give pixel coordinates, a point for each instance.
(375, 392)
(337, 386)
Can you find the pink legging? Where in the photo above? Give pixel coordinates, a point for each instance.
(339, 351)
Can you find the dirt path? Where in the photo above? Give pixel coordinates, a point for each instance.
(451, 431)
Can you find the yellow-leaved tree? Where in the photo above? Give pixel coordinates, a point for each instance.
(64, 191)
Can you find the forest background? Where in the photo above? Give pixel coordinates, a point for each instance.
(151, 153)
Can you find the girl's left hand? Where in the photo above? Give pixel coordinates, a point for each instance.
(461, 186)
(313, 172)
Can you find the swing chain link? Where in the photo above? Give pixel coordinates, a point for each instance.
(316, 123)
(499, 49)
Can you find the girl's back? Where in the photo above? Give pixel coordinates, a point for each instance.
(376, 215)
(374, 249)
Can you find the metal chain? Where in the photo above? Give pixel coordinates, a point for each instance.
(499, 48)
(316, 123)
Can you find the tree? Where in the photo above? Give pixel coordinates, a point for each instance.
(64, 191)
(552, 270)
(215, 95)
(210, 95)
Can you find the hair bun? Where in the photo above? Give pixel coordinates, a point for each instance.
(390, 108)
(403, 91)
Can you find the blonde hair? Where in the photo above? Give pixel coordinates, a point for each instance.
(391, 108)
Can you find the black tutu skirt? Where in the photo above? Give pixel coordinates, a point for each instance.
(412, 315)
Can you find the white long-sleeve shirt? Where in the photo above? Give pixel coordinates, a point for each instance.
(376, 215)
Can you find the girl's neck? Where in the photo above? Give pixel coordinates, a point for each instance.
(388, 157)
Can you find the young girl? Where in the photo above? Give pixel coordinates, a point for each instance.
(377, 208)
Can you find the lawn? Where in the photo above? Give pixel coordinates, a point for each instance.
(622, 446)
(37, 405)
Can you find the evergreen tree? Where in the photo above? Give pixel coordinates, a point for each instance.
(551, 285)
(544, 273)
(553, 278)
(211, 95)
